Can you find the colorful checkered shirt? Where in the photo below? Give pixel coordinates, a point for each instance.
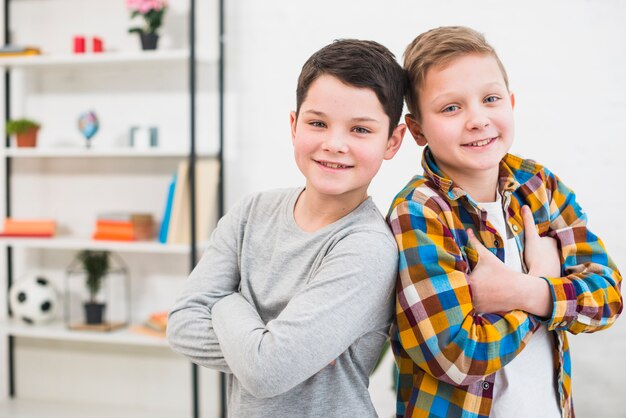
(447, 353)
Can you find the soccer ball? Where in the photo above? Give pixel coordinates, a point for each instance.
(33, 300)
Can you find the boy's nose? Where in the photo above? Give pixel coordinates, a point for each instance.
(335, 143)
(477, 120)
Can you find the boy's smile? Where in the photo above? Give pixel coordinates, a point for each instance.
(340, 140)
(467, 119)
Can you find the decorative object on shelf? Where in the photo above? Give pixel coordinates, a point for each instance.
(143, 138)
(33, 300)
(107, 306)
(79, 44)
(88, 125)
(96, 265)
(25, 131)
(152, 12)
(97, 45)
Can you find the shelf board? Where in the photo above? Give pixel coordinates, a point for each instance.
(70, 60)
(67, 152)
(29, 408)
(58, 331)
(69, 243)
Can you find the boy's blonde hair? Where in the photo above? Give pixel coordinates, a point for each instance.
(436, 48)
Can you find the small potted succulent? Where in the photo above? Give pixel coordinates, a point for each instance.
(25, 131)
(96, 265)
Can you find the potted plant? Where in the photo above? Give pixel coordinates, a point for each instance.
(96, 265)
(25, 131)
(152, 12)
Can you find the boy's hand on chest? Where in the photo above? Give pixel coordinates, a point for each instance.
(490, 281)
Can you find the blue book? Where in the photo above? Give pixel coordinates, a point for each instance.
(165, 223)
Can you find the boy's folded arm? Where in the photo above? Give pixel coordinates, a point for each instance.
(588, 298)
(437, 324)
(351, 291)
(189, 326)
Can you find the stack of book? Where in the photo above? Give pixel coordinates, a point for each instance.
(176, 224)
(40, 228)
(155, 325)
(18, 51)
(124, 227)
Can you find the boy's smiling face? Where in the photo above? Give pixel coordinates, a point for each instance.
(467, 117)
(340, 139)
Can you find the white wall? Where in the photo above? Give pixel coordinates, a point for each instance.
(566, 60)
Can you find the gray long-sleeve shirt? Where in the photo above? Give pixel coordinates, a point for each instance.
(273, 306)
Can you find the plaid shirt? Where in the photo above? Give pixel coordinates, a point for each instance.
(446, 352)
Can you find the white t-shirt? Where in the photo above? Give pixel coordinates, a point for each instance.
(525, 387)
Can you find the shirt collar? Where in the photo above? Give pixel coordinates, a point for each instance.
(507, 181)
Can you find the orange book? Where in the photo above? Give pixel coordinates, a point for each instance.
(140, 229)
(29, 227)
(114, 235)
(157, 321)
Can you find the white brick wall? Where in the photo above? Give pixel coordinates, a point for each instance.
(566, 60)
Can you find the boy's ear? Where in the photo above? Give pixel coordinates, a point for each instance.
(394, 141)
(512, 101)
(415, 129)
(293, 119)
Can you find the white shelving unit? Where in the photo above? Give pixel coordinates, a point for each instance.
(63, 180)
(68, 152)
(58, 331)
(116, 58)
(69, 243)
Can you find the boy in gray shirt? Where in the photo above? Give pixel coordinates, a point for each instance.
(294, 296)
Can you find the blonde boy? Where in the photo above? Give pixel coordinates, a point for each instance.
(482, 312)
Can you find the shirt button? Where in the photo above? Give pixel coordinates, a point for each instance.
(515, 227)
(485, 385)
(496, 243)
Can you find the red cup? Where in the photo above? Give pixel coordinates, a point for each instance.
(79, 44)
(97, 44)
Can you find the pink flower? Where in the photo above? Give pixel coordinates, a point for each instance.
(144, 6)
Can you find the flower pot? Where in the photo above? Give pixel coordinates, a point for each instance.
(27, 138)
(148, 40)
(94, 312)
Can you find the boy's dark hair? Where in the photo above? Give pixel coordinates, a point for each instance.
(358, 63)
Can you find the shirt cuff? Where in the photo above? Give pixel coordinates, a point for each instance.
(564, 304)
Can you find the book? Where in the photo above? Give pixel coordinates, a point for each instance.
(155, 325)
(28, 228)
(207, 173)
(157, 321)
(17, 50)
(124, 226)
(165, 222)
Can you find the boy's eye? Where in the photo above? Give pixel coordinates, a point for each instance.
(450, 108)
(361, 130)
(491, 99)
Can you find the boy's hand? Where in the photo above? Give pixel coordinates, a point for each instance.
(490, 281)
(541, 254)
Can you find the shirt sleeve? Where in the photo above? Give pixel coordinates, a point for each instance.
(190, 327)
(437, 324)
(588, 297)
(351, 290)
